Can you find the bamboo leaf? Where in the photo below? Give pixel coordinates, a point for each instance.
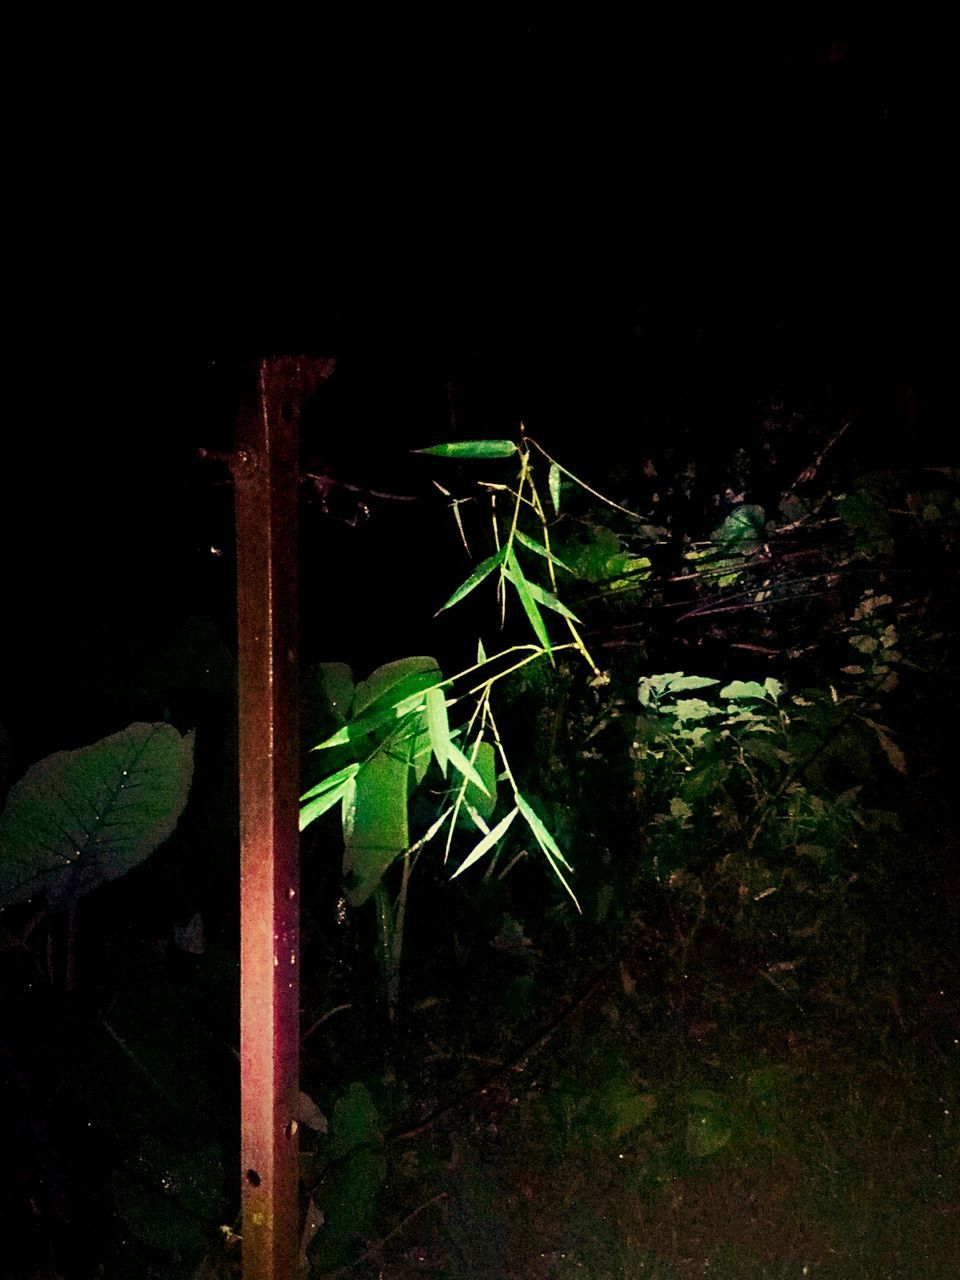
(488, 841)
(543, 837)
(546, 598)
(553, 480)
(472, 449)
(439, 727)
(333, 780)
(483, 570)
(476, 818)
(515, 574)
(463, 766)
(532, 545)
(317, 807)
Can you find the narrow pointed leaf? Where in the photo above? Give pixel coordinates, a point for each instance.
(483, 570)
(472, 449)
(532, 545)
(334, 780)
(553, 479)
(463, 766)
(534, 617)
(478, 821)
(546, 598)
(439, 727)
(318, 806)
(488, 841)
(544, 839)
(481, 652)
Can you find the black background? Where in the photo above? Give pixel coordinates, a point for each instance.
(622, 232)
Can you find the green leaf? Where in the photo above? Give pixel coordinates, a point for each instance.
(402, 697)
(439, 727)
(463, 766)
(678, 681)
(542, 835)
(472, 449)
(743, 524)
(334, 780)
(381, 686)
(739, 690)
(485, 764)
(488, 841)
(167, 1196)
(553, 480)
(326, 794)
(532, 545)
(483, 570)
(355, 1122)
(375, 830)
(548, 600)
(77, 819)
(693, 709)
(709, 1123)
(526, 599)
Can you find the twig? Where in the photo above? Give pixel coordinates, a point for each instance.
(323, 1017)
(339, 1272)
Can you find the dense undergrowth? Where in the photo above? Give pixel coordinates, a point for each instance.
(739, 1060)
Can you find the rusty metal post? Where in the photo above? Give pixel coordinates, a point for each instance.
(265, 467)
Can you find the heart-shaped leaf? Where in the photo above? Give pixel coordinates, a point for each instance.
(80, 818)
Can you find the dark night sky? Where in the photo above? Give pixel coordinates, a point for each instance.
(610, 229)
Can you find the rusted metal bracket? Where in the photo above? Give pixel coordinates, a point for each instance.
(265, 471)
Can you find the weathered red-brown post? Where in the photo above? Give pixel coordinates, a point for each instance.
(265, 466)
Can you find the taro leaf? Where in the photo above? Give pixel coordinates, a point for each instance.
(326, 691)
(709, 1123)
(375, 829)
(392, 677)
(392, 692)
(79, 818)
(472, 449)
